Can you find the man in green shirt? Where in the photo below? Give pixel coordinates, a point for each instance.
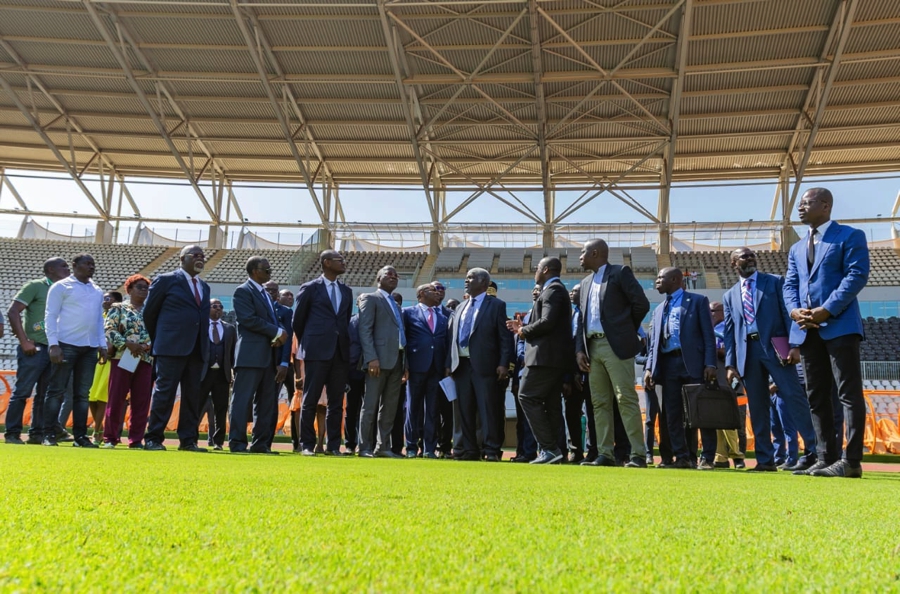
(26, 319)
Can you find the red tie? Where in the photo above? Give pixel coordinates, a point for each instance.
(431, 319)
(196, 292)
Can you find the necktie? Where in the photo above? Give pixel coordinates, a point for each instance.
(466, 329)
(396, 309)
(747, 300)
(333, 296)
(196, 292)
(431, 319)
(811, 248)
(666, 332)
(216, 337)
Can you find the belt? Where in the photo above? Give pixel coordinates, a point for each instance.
(596, 335)
(675, 353)
(754, 336)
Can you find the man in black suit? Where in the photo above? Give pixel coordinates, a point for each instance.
(321, 325)
(445, 439)
(257, 355)
(549, 356)
(357, 382)
(613, 305)
(216, 384)
(479, 355)
(177, 316)
(284, 373)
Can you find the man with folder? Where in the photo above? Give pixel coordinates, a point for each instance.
(757, 326)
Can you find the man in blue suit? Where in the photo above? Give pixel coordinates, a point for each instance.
(177, 316)
(257, 354)
(284, 373)
(682, 350)
(321, 325)
(826, 271)
(755, 314)
(426, 353)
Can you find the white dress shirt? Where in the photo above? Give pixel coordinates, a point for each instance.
(594, 325)
(337, 290)
(475, 302)
(74, 313)
(820, 232)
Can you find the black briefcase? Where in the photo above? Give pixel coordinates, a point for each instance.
(710, 406)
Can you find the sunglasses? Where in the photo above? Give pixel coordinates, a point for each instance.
(216, 306)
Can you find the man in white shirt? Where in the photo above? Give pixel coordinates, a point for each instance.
(74, 325)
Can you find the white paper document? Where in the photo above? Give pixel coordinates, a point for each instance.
(128, 362)
(449, 387)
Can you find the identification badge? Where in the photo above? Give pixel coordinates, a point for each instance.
(38, 327)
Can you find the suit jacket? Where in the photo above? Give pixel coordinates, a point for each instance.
(838, 274)
(772, 318)
(425, 350)
(623, 306)
(356, 363)
(229, 339)
(490, 343)
(285, 316)
(379, 332)
(548, 333)
(256, 327)
(174, 320)
(322, 334)
(698, 341)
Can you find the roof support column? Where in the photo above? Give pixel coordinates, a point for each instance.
(537, 68)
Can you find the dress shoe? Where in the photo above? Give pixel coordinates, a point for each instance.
(575, 458)
(705, 465)
(819, 465)
(265, 451)
(804, 463)
(665, 464)
(410, 454)
(49, 441)
(34, 440)
(153, 446)
(602, 460)
(725, 464)
(649, 459)
(192, 447)
(362, 454)
(14, 440)
(680, 464)
(491, 458)
(739, 463)
(387, 454)
(84, 442)
(136, 446)
(430, 456)
(336, 453)
(307, 452)
(319, 450)
(636, 463)
(841, 468)
(546, 457)
(217, 448)
(590, 456)
(64, 436)
(764, 468)
(521, 459)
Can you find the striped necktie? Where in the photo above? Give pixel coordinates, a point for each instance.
(747, 301)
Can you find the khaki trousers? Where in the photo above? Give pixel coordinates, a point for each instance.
(610, 378)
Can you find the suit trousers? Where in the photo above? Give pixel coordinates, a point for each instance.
(826, 362)
(379, 408)
(458, 446)
(784, 432)
(575, 404)
(476, 395)
(422, 410)
(256, 385)
(170, 373)
(539, 396)
(613, 378)
(673, 375)
(214, 392)
(445, 423)
(354, 407)
(526, 446)
(397, 430)
(330, 376)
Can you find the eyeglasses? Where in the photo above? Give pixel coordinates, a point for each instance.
(267, 270)
(439, 287)
(807, 203)
(216, 306)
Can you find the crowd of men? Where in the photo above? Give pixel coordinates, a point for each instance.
(429, 380)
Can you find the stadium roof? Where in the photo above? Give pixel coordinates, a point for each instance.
(452, 92)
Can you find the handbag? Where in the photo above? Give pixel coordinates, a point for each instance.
(710, 406)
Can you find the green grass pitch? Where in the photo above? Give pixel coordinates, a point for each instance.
(133, 521)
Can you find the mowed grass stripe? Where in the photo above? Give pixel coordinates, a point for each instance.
(133, 521)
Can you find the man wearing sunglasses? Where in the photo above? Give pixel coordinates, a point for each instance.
(216, 384)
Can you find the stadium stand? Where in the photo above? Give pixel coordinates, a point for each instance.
(174, 262)
(616, 256)
(643, 259)
(362, 267)
(511, 260)
(481, 258)
(885, 267)
(233, 267)
(536, 255)
(449, 260)
(882, 340)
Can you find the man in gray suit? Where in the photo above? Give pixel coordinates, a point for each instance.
(382, 339)
(260, 337)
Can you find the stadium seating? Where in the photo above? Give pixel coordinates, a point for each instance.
(511, 260)
(643, 259)
(233, 267)
(882, 340)
(362, 267)
(481, 258)
(449, 260)
(884, 267)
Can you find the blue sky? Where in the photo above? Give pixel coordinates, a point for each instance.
(854, 198)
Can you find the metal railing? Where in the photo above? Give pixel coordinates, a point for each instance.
(881, 370)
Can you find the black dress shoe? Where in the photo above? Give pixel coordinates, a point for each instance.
(739, 463)
(265, 451)
(636, 463)
(575, 458)
(34, 440)
(602, 460)
(153, 446)
(467, 458)
(804, 463)
(192, 447)
(334, 453)
(491, 458)
(387, 454)
(763, 468)
(84, 442)
(817, 466)
(680, 464)
(14, 440)
(546, 457)
(362, 453)
(721, 465)
(841, 468)
(521, 459)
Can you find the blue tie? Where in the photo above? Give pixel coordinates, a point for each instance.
(399, 322)
(466, 328)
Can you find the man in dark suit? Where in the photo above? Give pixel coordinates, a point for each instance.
(549, 356)
(257, 355)
(177, 316)
(826, 272)
(284, 373)
(479, 355)
(445, 431)
(682, 351)
(321, 324)
(426, 349)
(383, 342)
(216, 384)
(526, 446)
(613, 305)
(755, 314)
(357, 384)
